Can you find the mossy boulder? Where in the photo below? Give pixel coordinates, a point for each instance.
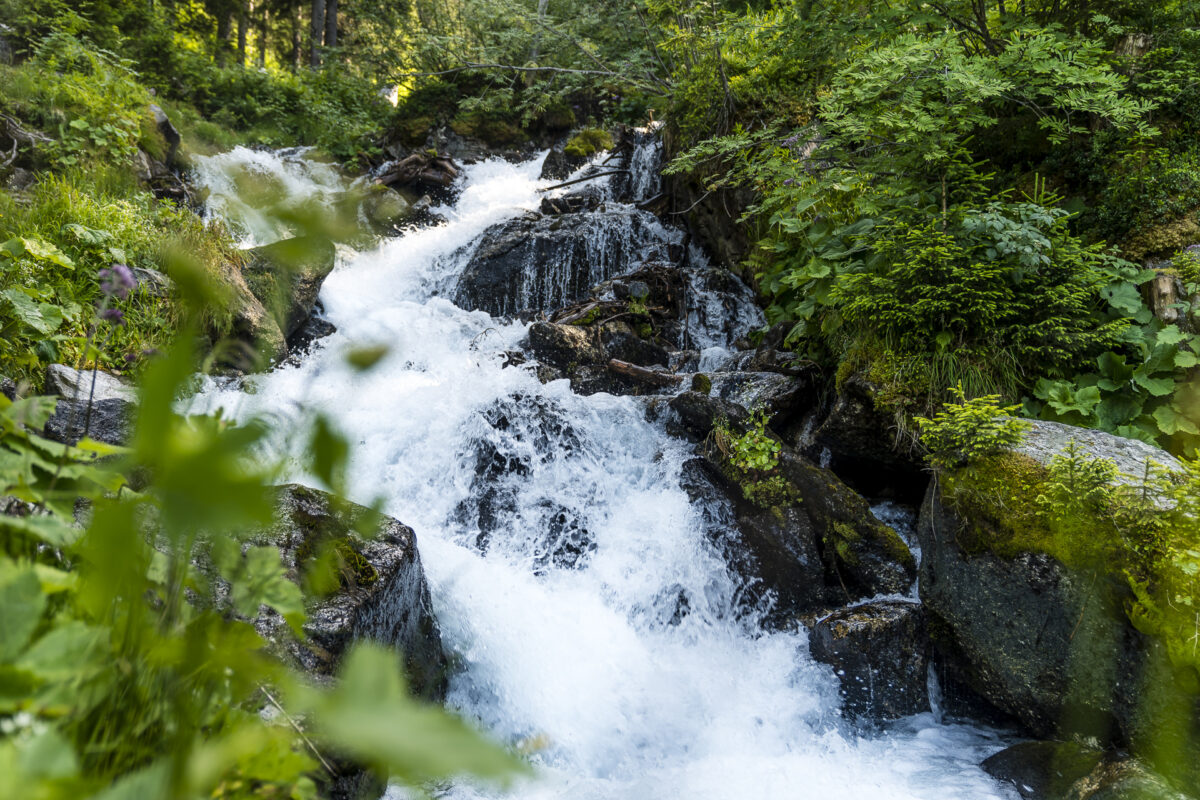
(380, 593)
(813, 511)
(286, 277)
(1054, 770)
(588, 142)
(1034, 617)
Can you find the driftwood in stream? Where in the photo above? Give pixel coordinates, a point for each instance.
(585, 178)
(645, 375)
(420, 170)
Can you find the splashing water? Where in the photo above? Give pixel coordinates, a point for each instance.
(570, 572)
(248, 190)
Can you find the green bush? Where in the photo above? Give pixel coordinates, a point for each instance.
(131, 665)
(968, 430)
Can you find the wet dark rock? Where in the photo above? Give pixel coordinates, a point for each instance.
(286, 277)
(168, 131)
(521, 434)
(537, 262)
(718, 302)
(314, 329)
(1050, 770)
(109, 416)
(585, 198)
(866, 557)
(383, 595)
(558, 166)
(1044, 770)
(778, 551)
(563, 346)
(878, 651)
(869, 557)
(622, 343)
(778, 395)
(420, 172)
(768, 359)
(700, 411)
(8, 387)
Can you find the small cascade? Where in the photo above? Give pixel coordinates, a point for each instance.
(645, 164)
(254, 191)
(544, 262)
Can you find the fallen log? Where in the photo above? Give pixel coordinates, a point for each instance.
(642, 374)
(588, 178)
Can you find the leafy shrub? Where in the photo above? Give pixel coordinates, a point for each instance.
(68, 229)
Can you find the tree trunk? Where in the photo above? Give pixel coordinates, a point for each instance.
(243, 31)
(537, 37)
(224, 36)
(331, 23)
(318, 32)
(297, 38)
(264, 24)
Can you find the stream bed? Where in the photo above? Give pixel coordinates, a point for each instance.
(593, 622)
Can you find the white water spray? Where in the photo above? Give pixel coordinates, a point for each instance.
(570, 573)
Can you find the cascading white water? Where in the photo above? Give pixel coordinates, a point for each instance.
(253, 190)
(577, 584)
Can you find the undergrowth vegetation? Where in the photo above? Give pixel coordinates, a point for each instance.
(965, 204)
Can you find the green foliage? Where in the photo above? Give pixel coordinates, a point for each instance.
(88, 100)
(968, 430)
(55, 242)
(751, 459)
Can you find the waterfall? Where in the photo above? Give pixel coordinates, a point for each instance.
(593, 617)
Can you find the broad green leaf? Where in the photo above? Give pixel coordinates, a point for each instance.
(44, 318)
(49, 755)
(65, 651)
(21, 607)
(42, 250)
(371, 716)
(1157, 386)
(261, 581)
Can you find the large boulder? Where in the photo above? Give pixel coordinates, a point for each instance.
(1042, 639)
(286, 277)
(878, 651)
(382, 593)
(102, 410)
(534, 262)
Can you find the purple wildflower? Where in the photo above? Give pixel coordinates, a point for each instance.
(789, 182)
(113, 315)
(117, 281)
